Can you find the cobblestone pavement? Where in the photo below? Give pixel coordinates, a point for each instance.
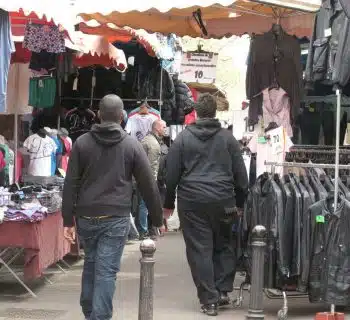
(175, 296)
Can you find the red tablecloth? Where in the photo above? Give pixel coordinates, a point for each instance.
(43, 242)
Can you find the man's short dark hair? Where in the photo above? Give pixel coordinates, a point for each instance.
(206, 106)
(111, 108)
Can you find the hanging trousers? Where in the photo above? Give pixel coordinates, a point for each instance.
(209, 248)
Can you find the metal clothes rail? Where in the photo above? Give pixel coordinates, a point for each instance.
(306, 165)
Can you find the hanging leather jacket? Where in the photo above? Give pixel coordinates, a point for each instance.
(329, 53)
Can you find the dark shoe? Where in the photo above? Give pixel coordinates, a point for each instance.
(210, 309)
(143, 236)
(224, 299)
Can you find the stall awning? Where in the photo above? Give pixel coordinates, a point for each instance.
(96, 50)
(58, 12)
(178, 17)
(113, 33)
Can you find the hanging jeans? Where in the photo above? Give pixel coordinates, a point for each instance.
(310, 126)
(104, 241)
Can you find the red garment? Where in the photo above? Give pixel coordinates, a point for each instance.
(65, 157)
(21, 55)
(194, 94)
(19, 167)
(191, 117)
(2, 161)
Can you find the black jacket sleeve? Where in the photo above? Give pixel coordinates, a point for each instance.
(71, 187)
(239, 174)
(147, 185)
(173, 172)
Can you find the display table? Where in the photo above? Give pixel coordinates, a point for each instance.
(41, 242)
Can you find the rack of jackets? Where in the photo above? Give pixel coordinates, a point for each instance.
(307, 246)
(329, 53)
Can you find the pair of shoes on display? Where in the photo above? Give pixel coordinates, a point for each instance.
(212, 309)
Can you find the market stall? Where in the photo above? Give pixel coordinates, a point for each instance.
(273, 55)
(30, 219)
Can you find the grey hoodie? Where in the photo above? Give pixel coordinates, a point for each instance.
(99, 176)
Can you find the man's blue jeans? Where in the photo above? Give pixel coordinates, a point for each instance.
(104, 241)
(143, 217)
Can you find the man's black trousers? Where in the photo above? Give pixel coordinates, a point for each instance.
(209, 247)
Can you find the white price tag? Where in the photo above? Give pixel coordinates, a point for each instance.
(328, 32)
(277, 143)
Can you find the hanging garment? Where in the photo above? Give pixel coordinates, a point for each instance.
(276, 108)
(40, 150)
(42, 92)
(273, 56)
(184, 101)
(39, 37)
(21, 55)
(18, 89)
(265, 207)
(2, 161)
(19, 167)
(6, 48)
(153, 111)
(9, 167)
(139, 125)
(329, 53)
(57, 152)
(43, 62)
(191, 117)
(273, 149)
(328, 256)
(79, 121)
(67, 142)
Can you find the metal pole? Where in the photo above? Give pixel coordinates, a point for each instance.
(255, 310)
(337, 143)
(161, 90)
(147, 261)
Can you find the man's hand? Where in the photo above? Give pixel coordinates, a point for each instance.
(167, 213)
(69, 234)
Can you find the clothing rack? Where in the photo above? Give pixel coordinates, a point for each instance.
(311, 146)
(306, 165)
(98, 99)
(316, 151)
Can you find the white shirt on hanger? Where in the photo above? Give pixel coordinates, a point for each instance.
(40, 150)
(273, 150)
(139, 125)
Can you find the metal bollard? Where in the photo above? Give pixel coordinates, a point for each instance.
(147, 248)
(256, 310)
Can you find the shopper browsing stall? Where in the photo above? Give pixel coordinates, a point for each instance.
(97, 191)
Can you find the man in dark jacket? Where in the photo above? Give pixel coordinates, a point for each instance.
(206, 166)
(97, 192)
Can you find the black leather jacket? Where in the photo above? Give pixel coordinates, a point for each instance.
(328, 246)
(329, 53)
(295, 268)
(265, 207)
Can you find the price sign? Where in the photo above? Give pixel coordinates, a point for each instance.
(277, 140)
(198, 67)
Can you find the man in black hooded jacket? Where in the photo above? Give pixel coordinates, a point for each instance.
(206, 167)
(97, 192)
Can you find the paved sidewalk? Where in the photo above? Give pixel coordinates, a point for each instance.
(175, 297)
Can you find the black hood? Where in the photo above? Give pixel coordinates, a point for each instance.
(108, 134)
(204, 129)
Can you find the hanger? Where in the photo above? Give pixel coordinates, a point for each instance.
(144, 108)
